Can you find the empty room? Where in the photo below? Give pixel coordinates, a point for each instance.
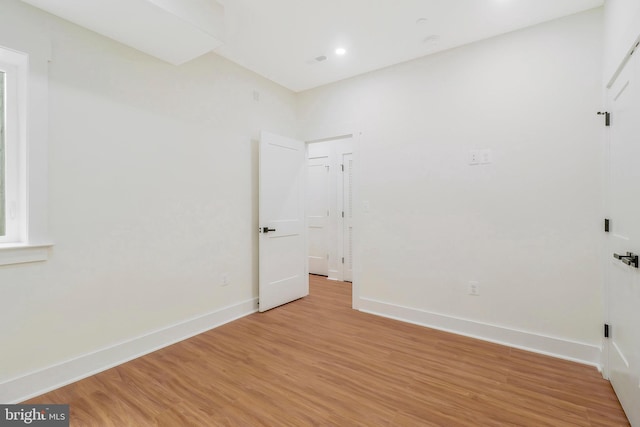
(338, 213)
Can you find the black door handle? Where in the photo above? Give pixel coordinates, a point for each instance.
(267, 229)
(630, 259)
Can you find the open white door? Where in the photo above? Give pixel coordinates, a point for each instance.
(283, 252)
(623, 275)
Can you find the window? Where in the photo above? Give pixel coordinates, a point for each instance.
(23, 163)
(12, 189)
(3, 167)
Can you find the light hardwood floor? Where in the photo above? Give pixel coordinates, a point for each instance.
(317, 362)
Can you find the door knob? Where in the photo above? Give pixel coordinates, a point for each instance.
(267, 229)
(630, 259)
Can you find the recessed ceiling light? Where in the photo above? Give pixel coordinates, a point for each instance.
(341, 51)
(421, 21)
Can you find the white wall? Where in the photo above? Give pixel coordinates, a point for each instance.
(526, 227)
(153, 195)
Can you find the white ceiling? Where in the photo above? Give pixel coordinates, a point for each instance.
(175, 31)
(280, 38)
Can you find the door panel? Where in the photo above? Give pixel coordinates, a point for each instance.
(318, 214)
(283, 250)
(623, 281)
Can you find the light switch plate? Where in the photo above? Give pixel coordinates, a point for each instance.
(485, 157)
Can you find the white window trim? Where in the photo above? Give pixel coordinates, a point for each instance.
(14, 66)
(14, 253)
(28, 174)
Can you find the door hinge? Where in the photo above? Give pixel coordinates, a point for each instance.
(606, 330)
(342, 214)
(607, 117)
(607, 225)
(343, 260)
(342, 166)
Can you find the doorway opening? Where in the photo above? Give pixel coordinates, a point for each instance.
(329, 207)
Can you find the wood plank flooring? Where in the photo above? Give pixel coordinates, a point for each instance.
(317, 362)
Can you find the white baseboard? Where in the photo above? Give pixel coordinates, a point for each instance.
(42, 381)
(564, 349)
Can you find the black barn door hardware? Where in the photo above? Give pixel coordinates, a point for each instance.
(630, 259)
(607, 117)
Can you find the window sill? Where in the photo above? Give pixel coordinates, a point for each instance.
(20, 253)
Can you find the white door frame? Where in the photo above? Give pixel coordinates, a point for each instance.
(336, 134)
(345, 222)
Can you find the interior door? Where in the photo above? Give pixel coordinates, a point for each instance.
(347, 223)
(623, 275)
(283, 272)
(318, 214)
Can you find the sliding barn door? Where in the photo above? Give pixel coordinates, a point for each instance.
(623, 274)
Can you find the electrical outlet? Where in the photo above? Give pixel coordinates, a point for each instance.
(480, 157)
(224, 279)
(474, 157)
(474, 288)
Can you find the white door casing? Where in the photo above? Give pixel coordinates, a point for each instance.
(283, 271)
(318, 214)
(623, 280)
(347, 222)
